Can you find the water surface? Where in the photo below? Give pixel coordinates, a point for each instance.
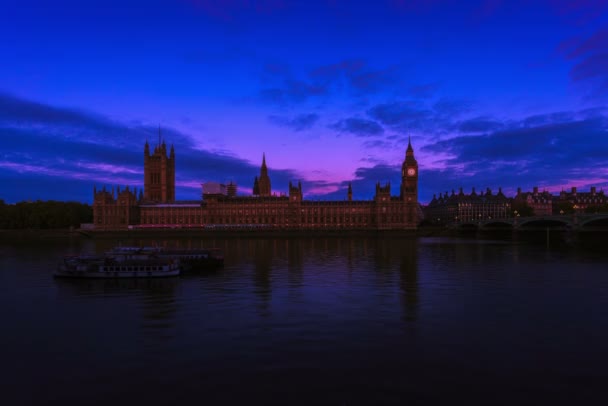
(312, 320)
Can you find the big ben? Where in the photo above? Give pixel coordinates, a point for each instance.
(409, 186)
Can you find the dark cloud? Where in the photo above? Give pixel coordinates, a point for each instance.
(71, 124)
(18, 112)
(276, 69)
(292, 92)
(594, 66)
(353, 77)
(451, 107)
(358, 126)
(373, 81)
(347, 67)
(36, 186)
(557, 152)
(398, 113)
(356, 75)
(551, 118)
(379, 144)
(479, 125)
(39, 145)
(424, 91)
(364, 182)
(300, 122)
(580, 11)
(590, 57)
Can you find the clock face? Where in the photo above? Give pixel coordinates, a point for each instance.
(411, 172)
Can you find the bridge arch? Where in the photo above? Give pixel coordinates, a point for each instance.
(597, 220)
(544, 222)
(467, 226)
(498, 224)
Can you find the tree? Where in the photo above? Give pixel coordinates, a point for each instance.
(522, 208)
(44, 215)
(563, 207)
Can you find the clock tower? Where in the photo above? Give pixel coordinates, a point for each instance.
(409, 185)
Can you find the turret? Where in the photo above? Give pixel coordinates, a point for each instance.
(264, 180)
(256, 187)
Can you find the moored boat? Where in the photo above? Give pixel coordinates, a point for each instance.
(195, 259)
(189, 259)
(109, 267)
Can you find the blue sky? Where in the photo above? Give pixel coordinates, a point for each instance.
(493, 94)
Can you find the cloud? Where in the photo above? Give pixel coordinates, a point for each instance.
(580, 11)
(300, 122)
(292, 92)
(282, 87)
(438, 117)
(397, 113)
(590, 57)
(356, 76)
(479, 125)
(346, 67)
(451, 107)
(424, 91)
(521, 154)
(552, 118)
(364, 182)
(39, 145)
(359, 127)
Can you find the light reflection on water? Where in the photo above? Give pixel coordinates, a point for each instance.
(312, 320)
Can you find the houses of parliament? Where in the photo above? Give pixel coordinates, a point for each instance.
(156, 207)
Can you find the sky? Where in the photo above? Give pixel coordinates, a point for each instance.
(492, 93)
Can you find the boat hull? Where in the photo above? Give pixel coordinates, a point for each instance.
(108, 267)
(114, 275)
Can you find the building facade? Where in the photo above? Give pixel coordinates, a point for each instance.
(157, 208)
(541, 203)
(463, 208)
(580, 202)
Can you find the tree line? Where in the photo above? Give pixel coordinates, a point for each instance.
(44, 215)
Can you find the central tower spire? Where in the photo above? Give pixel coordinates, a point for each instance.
(264, 180)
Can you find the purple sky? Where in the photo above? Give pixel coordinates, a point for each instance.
(493, 93)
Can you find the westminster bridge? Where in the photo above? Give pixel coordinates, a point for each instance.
(565, 221)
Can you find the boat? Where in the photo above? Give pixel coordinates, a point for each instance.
(195, 259)
(188, 259)
(117, 266)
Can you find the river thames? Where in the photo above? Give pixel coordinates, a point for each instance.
(342, 321)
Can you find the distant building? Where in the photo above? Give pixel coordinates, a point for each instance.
(157, 208)
(115, 209)
(463, 208)
(581, 202)
(231, 189)
(540, 202)
(214, 189)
